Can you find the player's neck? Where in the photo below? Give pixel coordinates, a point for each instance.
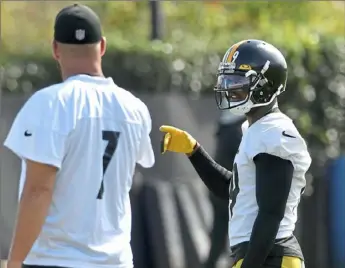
(257, 114)
(92, 70)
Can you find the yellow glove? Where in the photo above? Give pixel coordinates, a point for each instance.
(176, 140)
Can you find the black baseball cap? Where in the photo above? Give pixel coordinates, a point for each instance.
(77, 24)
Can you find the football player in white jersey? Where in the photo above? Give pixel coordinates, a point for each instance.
(268, 176)
(79, 142)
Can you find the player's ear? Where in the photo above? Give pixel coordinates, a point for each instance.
(55, 51)
(103, 45)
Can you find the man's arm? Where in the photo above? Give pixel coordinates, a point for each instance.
(273, 183)
(33, 208)
(39, 137)
(215, 177)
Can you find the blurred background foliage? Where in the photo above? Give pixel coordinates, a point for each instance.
(189, 26)
(196, 34)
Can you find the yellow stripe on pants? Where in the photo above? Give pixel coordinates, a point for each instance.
(292, 262)
(287, 262)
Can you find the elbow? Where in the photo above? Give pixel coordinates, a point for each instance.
(34, 192)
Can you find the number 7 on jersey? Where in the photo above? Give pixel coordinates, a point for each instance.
(111, 137)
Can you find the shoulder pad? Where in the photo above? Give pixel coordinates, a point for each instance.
(282, 140)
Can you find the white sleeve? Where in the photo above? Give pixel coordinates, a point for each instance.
(32, 136)
(284, 143)
(146, 157)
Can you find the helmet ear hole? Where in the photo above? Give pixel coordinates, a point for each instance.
(262, 95)
(257, 96)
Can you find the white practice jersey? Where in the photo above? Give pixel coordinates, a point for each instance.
(273, 134)
(94, 132)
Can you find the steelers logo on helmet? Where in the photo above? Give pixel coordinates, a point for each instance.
(252, 74)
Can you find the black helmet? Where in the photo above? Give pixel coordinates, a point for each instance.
(252, 74)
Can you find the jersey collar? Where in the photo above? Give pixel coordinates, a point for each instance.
(90, 78)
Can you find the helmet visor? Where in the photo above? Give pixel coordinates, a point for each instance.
(232, 82)
(232, 88)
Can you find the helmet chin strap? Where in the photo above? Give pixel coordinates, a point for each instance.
(241, 109)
